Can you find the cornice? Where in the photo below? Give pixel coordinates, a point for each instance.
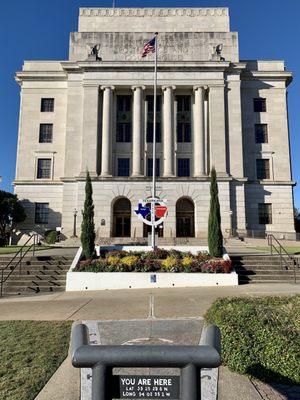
(94, 66)
(40, 76)
(271, 183)
(152, 12)
(40, 182)
(267, 75)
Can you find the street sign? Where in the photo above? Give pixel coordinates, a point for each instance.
(143, 210)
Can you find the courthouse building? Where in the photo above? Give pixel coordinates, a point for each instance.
(94, 112)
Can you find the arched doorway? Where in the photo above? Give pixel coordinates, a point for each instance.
(121, 217)
(185, 218)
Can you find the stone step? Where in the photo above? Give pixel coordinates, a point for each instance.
(264, 267)
(32, 290)
(264, 281)
(45, 278)
(272, 273)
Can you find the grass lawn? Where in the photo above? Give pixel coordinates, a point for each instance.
(15, 249)
(260, 336)
(30, 352)
(290, 250)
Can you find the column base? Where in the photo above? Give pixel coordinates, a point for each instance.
(137, 176)
(105, 176)
(169, 176)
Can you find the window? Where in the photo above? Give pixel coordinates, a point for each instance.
(183, 167)
(47, 105)
(41, 213)
(44, 168)
(150, 167)
(46, 133)
(264, 213)
(183, 119)
(261, 133)
(259, 105)
(124, 119)
(150, 101)
(123, 166)
(263, 169)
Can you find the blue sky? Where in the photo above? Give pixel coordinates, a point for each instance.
(39, 30)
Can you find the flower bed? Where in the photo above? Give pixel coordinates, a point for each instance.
(159, 260)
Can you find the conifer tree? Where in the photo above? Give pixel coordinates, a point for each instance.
(215, 237)
(88, 226)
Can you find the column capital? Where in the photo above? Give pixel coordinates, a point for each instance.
(107, 87)
(138, 87)
(197, 87)
(163, 88)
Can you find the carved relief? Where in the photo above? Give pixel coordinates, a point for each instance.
(158, 12)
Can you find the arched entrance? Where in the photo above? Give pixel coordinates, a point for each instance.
(185, 218)
(121, 218)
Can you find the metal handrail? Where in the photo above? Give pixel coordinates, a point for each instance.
(295, 264)
(20, 253)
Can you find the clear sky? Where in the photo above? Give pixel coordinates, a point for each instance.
(39, 30)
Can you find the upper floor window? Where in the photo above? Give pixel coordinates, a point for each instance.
(41, 213)
(44, 168)
(259, 104)
(261, 133)
(123, 166)
(46, 133)
(124, 118)
(264, 213)
(263, 168)
(183, 167)
(183, 118)
(47, 105)
(150, 167)
(150, 101)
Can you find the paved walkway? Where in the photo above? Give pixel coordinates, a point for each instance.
(131, 305)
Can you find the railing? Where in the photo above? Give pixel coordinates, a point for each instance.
(10, 267)
(285, 258)
(103, 358)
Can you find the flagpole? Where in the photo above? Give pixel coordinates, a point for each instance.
(153, 245)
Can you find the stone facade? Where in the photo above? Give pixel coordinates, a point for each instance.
(206, 116)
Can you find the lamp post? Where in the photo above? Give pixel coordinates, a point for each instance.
(231, 224)
(74, 222)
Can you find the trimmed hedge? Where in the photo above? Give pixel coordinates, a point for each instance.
(50, 236)
(260, 336)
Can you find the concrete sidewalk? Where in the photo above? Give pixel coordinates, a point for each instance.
(130, 303)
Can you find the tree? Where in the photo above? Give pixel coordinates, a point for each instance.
(11, 213)
(297, 219)
(88, 227)
(215, 237)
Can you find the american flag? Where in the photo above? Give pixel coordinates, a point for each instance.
(149, 47)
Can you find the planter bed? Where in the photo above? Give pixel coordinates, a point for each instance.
(143, 269)
(80, 281)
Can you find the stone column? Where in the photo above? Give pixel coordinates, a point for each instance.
(137, 130)
(217, 129)
(106, 130)
(199, 132)
(89, 154)
(168, 131)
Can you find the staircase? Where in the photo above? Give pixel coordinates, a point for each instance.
(37, 274)
(265, 269)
